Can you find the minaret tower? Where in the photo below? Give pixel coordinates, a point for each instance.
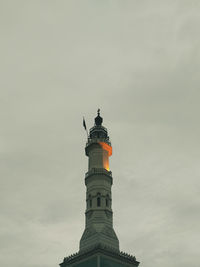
(99, 245)
(98, 181)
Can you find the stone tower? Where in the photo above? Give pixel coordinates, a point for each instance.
(99, 245)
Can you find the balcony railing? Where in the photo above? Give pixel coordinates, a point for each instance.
(97, 140)
(99, 171)
(98, 127)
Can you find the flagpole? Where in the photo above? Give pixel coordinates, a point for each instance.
(87, 132)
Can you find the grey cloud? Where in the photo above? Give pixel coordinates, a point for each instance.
(138, 62)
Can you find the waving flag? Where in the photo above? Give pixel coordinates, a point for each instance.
(84, 124)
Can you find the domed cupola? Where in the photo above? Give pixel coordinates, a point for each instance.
(98, 131)
(98, 120)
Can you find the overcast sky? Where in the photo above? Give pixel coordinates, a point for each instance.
(139, 61)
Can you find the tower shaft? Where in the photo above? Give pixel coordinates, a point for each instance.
(99, 245)
(98, 180)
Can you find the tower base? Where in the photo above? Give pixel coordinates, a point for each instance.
(96, 235)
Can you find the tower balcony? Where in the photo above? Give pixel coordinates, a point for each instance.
(95, 172)
(97, 140)
(98, 171)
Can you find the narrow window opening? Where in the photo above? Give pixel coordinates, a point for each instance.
(90, 200)
(107, 201)
(98, 202)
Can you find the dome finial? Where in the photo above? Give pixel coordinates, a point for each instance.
(98, 120)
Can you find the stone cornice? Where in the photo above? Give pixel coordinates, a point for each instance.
(100, 249)
(98, 171)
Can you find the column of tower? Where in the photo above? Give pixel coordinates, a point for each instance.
(98, 180)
